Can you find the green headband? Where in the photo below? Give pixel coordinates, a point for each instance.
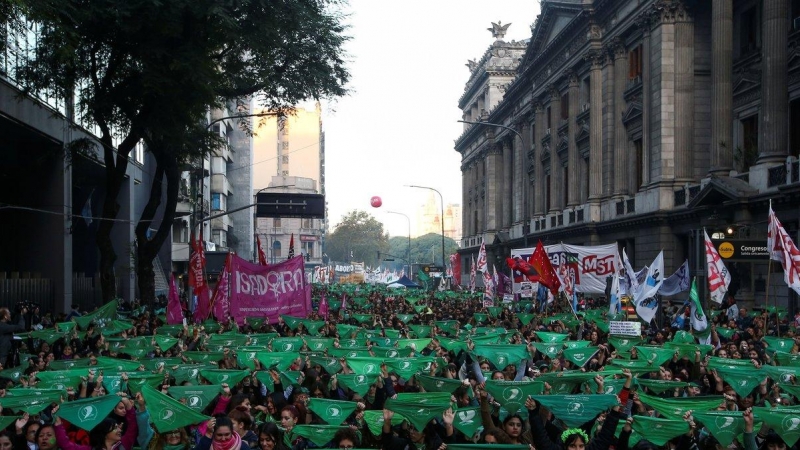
(572, 431)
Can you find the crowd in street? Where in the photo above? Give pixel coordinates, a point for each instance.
(400, 370)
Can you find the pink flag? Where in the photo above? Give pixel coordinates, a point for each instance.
(482, 264)
(222, 299)
(472, 275)
(782, 248)
(174, 310)
(344, 303)
(323, 306)
(197, 266)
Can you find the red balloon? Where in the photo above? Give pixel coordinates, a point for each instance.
(376, 202)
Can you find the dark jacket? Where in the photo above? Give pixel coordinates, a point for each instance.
(7, 331)
(602, 441)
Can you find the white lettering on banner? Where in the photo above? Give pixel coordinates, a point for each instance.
(619, 328)
(275, 282)
(601, 266)
(588, 266)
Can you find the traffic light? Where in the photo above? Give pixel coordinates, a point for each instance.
(308, 257)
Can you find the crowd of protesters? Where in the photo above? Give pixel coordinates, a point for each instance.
(267, 408)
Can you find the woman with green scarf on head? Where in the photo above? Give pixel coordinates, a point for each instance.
(149, 439)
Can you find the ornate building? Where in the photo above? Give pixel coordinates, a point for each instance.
(637, 122)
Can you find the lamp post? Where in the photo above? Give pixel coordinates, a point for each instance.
(255, 223)
(441, 200)
(408, 255)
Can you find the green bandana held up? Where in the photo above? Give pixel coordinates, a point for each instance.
(788, 359)
(318, 434)
(725, 426)
(438, 384)
(778, 344)
(688, 350)
(742, 379)
(353, 343)
(318, 344)
(480, 317)
(483, 447)
(365, 365)
(782, 374)
(374, 420)
(575, 410)
(419, 343)
(189, 372)
(167, 414)
(502, 355)
(88, 412)
(333, 412)
(139, 379)
(197, 397)
(677, 407)
(659, 386)
(467, 421)
(454, 345)
(494, 311)
(512, 394)
(420, 409)
(549, 349)
(659, 431)
(406, 367)
(392, 352)
(277, 360)
(200, 357)
(623, 343)
(287, 344)
(784, 421)
(683, 337)
(579, 356)
(576, 344)
(551, 337)
(164, 342)
(526, 318)
(357, 383)
(566, 382)
(654, 355)
(219, 376)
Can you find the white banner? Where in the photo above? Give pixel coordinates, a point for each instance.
(618, 328)
(587, 266)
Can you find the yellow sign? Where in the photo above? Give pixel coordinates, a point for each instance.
(726, 250)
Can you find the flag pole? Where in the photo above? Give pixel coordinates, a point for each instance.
(766, 296)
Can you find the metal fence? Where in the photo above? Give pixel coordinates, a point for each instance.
(16, 287)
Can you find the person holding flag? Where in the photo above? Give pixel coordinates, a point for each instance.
(107, 435)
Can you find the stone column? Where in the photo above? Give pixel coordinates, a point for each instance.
(608, 124)
(494, 188)
(521, 194)
(646, 99)
(621, 161)
(721, 88)
(556, 171)
(465, 195)
(507, 181)
(573, 167)
(595, 126)
(538, 172)
(773, 145)
(480, 198)
(684, 95)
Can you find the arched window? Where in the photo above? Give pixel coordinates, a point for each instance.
(276, 249)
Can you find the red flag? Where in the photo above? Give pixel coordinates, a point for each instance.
(483, 267)
(174, 310)
(262, 257)
(291, 247)
(782, 248)
(547, 275)
(198, 266)
(221, 299)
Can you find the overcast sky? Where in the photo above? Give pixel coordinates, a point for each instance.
(398, 125)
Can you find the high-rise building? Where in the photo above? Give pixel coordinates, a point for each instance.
(428, 218)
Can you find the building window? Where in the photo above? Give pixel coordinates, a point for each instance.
(565, 106)
(749, 31)
(276, 249)
(637, 148)
(586, 89)
(307, 223)
(549, 125)
(746, 154)
(475, 223)
(276, 222)
(565, 188)
(635, 62)
(308, 248)
(795, 15)
(215, 201)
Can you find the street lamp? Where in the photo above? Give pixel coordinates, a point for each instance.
(441, 200)
(255, 223)
(408, 255)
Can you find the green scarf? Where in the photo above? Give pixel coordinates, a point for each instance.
(551, 337)
(579, 356)
(406, 367)
(512, 394)
(419, 409)
(502, 355)
(374, 421)
(197, 397)
(784, 421)
(623, 343)
(742, 379)
(725, 426)
(332, 412)
(659, 431)
(654, 355)
(677, 407)
(467, 421)
(88, 412)
(438, 384)
(575, 410)
(357, 383)
(659, 386)
(365, 365)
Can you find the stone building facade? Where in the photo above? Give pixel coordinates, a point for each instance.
(641, 123)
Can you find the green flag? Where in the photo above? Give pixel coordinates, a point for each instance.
(725, 332)
(405, 318)
(512, 394)
(101, 316)
(575, 410)
(577, 344)
(287, 344)
(189, 372)
(467, 421)
(65, 364)
(418, 344)
(219, 376)
(438, 384)
(725, 426)
(88, 412)
(659, 431)
(291, 322)
(48, 335)
(165, 342)
(579, 356)
(332, 412)
(781, 374)
(623, 343)
(357, 383)
(677, 406)
(419, 409)
(33, 402)
(374, 420)
(392, 352)
(62, 379)
(784, 421)
(788, 359)
(120, 365)
(480, 317)
(687, 350)
(526, 318)
(279, 360)
(683, 337)
(494, 311)
(353, 343)
(197, 397)
(330, 364)
(167, 414)
(139, 379)
(65, 326)
(318, 344)
(454, 345)
(318, 434)
(502, 355)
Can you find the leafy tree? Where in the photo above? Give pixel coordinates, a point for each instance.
(149, 71)
(424, 249)
(358, 234)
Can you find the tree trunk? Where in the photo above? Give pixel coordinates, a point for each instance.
(147, 249)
